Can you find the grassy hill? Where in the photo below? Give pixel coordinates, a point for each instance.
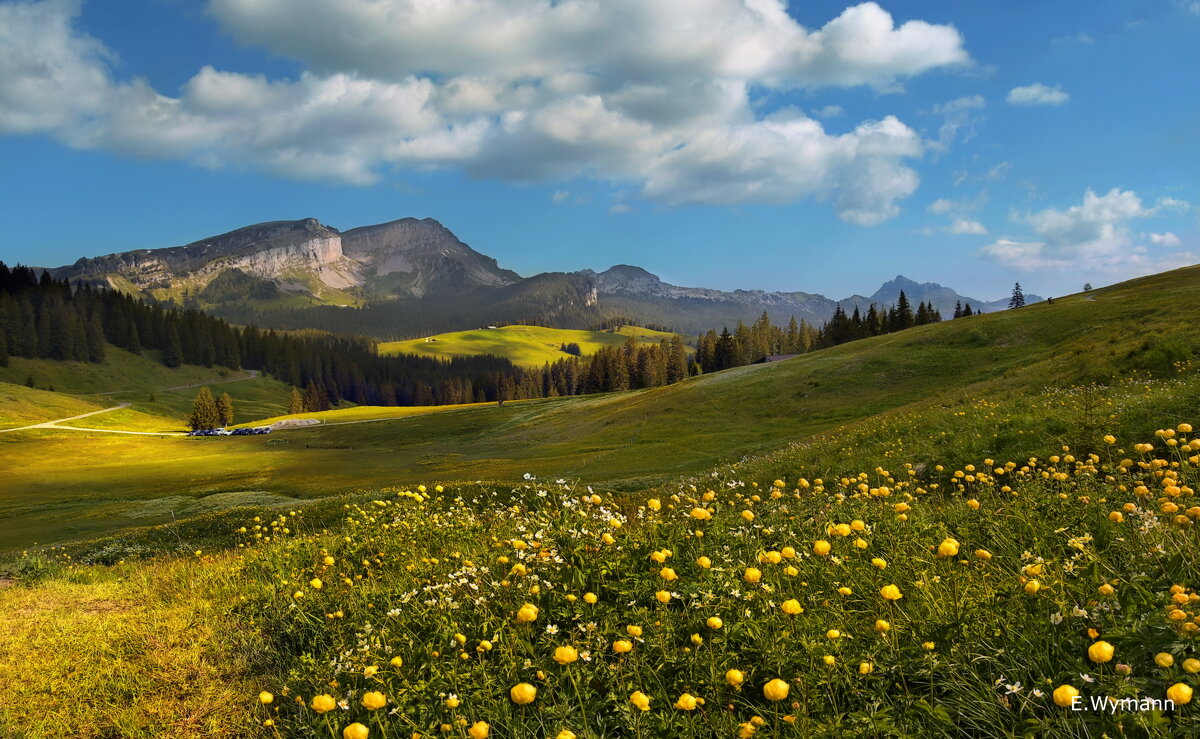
(623, 440)
(944, 532)
(528, 346)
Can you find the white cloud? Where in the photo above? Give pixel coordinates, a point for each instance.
(1165, 239)
(1093, 235)
(970, 102)
(967, 226)
(941, 206)
(620, 208)
(1075, 39)
(560, 195)
(521, 90)
(830, 111)
(1038, 94)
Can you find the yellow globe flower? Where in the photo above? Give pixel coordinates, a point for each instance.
(1116, 517)
(821, 547)
(879, 563)
(833, 634)
(891, 592)
(686, 702)
(697, 639)
(1032, 587)
(1106, 589)
(565, 655)
(396, 662)
(829, 660)
(1180, 693)
(479, 730)
(948, 548)
(323, 703)
(640, 699)
(701, 514)
(659, 556)
(1162, 659)
(316, 583)
(265, 697)
(928, 646)
(865, 668)
(522, 694)
(622, 646)
(668, 574)
(752, 575)
(1065, 695)
(328, 561)
(663, 596)
(714, 622)
(590, 598)
(791, 607)
(565, 734)
(776, 690)
(734, 677)
(634, 631)
(355, 731)
(747, 515)
(453, 702)
(654, 504)
(704, 562)
(1191, 665)
(882, 626)
(788, 552)
(373, 700)
(1100, 652)
(983, 554)
(528, 613)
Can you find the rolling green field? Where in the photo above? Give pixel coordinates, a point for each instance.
(949, 531)
(528, 346)
(628, 440)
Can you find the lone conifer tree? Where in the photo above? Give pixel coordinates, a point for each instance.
(1087, 286)
(296, 401)
(1018, 297)
(205, 414)
(225, 409)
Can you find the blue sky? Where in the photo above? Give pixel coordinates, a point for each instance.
(813, 146)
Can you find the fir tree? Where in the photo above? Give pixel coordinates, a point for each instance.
(1018, 297)
(1087, 286)
(296, 401)
(205, 414)
(958, 313)
(173, 351)
(225, 409)
(3, 349)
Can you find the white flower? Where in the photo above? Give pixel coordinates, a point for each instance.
(551, 629)
(1087, 678)
(1056, 618)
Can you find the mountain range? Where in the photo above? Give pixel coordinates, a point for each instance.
(410, 277)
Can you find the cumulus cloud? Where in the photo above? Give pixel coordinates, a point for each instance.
(1093, 235)
(967, 226)
(1038, 94)
(560, 195)
(519, 90)
(1076, 39)
(962, 220)
(830, 111)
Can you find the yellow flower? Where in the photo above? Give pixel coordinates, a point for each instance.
(845, 590)
(396, 662)
(948, 548)
(659, 556)
(590, 598)
(734, 677)
(752, 575)
(565, 734)
(355, 731)
(928, 646)
(323, 703)
(565, 655)
(373, 700)
(316, 583)
(265, 697)
(479, 730)
(791, 607)
(663, 596)
(882, 626)
(865, 668)
(790, 571)
(1065, 695)
(640, 699)
(714, 622)
(1180, 693)
(880, 563)
(634, 631)
(747, 515)
(1116, 517)
(528, 613)
(328, 561)
(1032, 587)
(453, 702)
(1106, 589)
(1100, 652)
(1162, 659)
(983, 554)
(668, 574)
(776, 690)
(370, 671)
(821, 547)
(654, 504)
(701, 514)
(891, 592)
(973, 504)
(833, 634)
(704, 562)
(1191, 665)
(686, 702)
(608, 538)
(522, 694)
(622, 646)
(829, 660)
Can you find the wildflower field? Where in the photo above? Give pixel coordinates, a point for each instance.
(894, 577)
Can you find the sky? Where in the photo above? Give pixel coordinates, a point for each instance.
(755, 144)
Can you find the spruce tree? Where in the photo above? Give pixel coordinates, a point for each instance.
(94, 335)
(1087, 286)
(173, 351)
(1018, 297)
(205, 414)
(225, 409)
(3, 349)
(958, 313)
(296, 401)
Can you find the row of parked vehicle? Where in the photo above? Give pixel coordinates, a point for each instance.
(252, 431)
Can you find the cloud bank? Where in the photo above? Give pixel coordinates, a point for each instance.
(649, 93)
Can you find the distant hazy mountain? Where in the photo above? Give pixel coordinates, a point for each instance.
(411, 277)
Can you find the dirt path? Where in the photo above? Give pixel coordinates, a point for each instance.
(55, 425)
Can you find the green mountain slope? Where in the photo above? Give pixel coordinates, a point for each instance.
(637, 438)
(529, 346)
